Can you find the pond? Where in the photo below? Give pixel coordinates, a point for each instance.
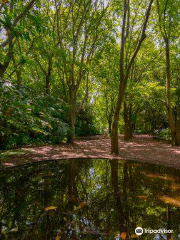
(89, 199)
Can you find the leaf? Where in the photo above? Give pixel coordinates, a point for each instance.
(4, 1)
(14, 230)
(134, 236)
(50, 208)
(58, 237)
(49, 126)
(123, 235)
(81, 205)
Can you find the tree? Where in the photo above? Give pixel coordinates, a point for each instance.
(126, 63)
(79, 30)
(168, 18)
(11, 26)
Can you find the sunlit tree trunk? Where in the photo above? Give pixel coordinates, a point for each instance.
(122, 84)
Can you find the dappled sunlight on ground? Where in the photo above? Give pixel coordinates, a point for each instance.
(141, 148)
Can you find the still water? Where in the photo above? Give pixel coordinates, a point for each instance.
(89, 199)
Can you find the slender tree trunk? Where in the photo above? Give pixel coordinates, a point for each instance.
(114, 134)
(114, 137)
(3, 69)
(72, 118)
(5, 65)
(19, 78)
(124, 73)
(48, 76)
(177, 143)
(110, 126)
(47, 91)
(168, 92)
(128, 129)
(71, 137)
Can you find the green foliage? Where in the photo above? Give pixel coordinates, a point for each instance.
(164, 134)
(57, 56)
(86, 124)
(26, 119)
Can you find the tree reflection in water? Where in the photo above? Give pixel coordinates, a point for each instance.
(88, 199)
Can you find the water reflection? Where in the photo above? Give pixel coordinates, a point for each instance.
(88, 199)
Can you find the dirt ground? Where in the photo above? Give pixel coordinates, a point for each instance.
(141, 148)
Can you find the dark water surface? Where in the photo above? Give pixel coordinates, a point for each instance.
(88, 199)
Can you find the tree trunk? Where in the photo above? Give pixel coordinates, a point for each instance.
(72, 118)
(48, 76)
(109, 126)
(71, 136)
(168, 92)
(114, 137)
(128, 129)
(124, 73)
(114, 134)
(3, 69)
(19, 78)
(47, 85)
(177, 141)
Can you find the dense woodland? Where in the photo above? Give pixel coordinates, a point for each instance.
(72, 68)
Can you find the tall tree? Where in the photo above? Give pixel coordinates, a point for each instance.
(126, 63)
(79, 28)
(168, 18)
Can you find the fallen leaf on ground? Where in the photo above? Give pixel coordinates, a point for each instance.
(50, 208)
(81, 205)
(58, 237)
(123, 235)
(134, 236)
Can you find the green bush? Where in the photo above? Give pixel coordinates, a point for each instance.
(86, 122)
(164, 134)
(27, 119)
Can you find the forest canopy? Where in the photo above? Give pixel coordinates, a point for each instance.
(71, 68)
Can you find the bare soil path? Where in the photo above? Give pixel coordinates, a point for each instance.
(140, 148)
